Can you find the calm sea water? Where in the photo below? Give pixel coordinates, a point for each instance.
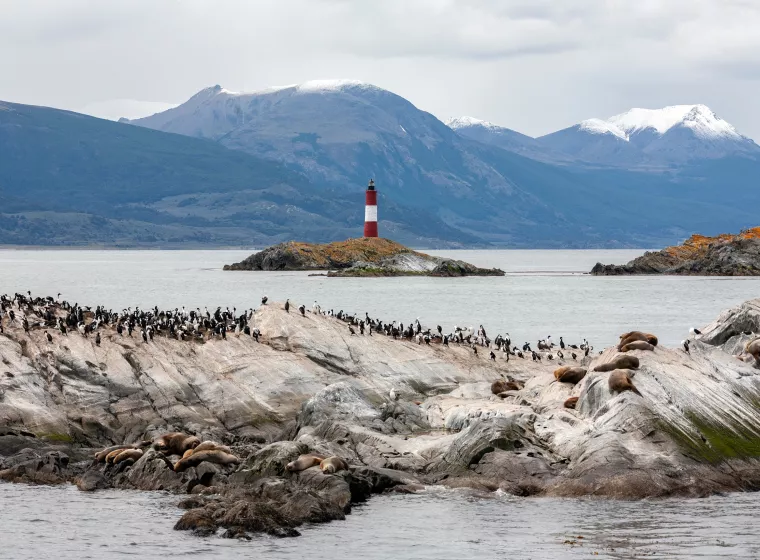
(545, 292)
(63, 523)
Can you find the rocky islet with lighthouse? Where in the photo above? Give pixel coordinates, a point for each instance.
(368, 256)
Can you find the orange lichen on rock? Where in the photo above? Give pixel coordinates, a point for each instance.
(721, 255)
(696, 246)
(341, 254)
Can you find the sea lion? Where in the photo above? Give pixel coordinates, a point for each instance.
(637, 345)
(753, 348)
(112, 455)
(571, 402)
(133, 454)
(619, 362)
(211, 446)
(619, 382)
(501, 385)
(334, 464)
(100, 456)
(304, 462)
(633, 336)
(210, 456)
(176, 443)
(569, 374)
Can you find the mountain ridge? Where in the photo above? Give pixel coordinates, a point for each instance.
(292, 162)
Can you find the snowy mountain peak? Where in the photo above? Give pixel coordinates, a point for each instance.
(313, 86)
(702, 121)
(456, 123)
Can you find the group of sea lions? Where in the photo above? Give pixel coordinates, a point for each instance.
(637, 340)
(190, 448)
(620, 379)
(328, 465)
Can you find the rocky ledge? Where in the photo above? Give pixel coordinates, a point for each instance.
(724, 255)
(358, 257)
(634, 421)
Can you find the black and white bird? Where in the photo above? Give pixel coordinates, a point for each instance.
(97, 339)
(287, 306)
(686, 346)
(493, 356)
(694, 332)
(302, 309)
(264, 300)
(49, 337)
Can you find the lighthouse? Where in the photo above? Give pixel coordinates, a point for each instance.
(370, 211)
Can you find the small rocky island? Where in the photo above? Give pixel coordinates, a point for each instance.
(723, 255)
(366, 256)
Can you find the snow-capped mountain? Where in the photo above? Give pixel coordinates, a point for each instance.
(340, 132)
(570, 188)
(668, 136)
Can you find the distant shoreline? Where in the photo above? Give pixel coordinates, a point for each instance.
(255, 248)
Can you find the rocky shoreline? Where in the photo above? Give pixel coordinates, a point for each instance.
(402, 412)
(363, 257)
(723, 255)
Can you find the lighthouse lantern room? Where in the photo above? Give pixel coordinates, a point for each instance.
(370, 211)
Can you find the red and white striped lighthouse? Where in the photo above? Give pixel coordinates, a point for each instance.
(370, 211)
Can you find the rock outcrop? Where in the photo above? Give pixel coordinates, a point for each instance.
(358, 257)
(401, 414)
(724, 255)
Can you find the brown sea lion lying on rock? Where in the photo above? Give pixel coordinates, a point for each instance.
(209, 446)
(619, 362)
(216, 456)
(304, 462)
(128, 455)
(571, 402)
(175, 443)
(503, 385)
(634, 336)
(637, 345)
(569, 374)
(619, 381)
(753, 348)
(331, 465)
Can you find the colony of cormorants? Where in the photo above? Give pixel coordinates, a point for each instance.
(195, 325)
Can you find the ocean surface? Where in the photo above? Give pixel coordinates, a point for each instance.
(65, 524)
(544, 293)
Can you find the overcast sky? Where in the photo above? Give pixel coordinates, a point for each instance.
(532, 65)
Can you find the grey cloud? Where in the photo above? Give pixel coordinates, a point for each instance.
(532, 65)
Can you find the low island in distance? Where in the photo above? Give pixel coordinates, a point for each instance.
(361, 257)
(700, 255)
